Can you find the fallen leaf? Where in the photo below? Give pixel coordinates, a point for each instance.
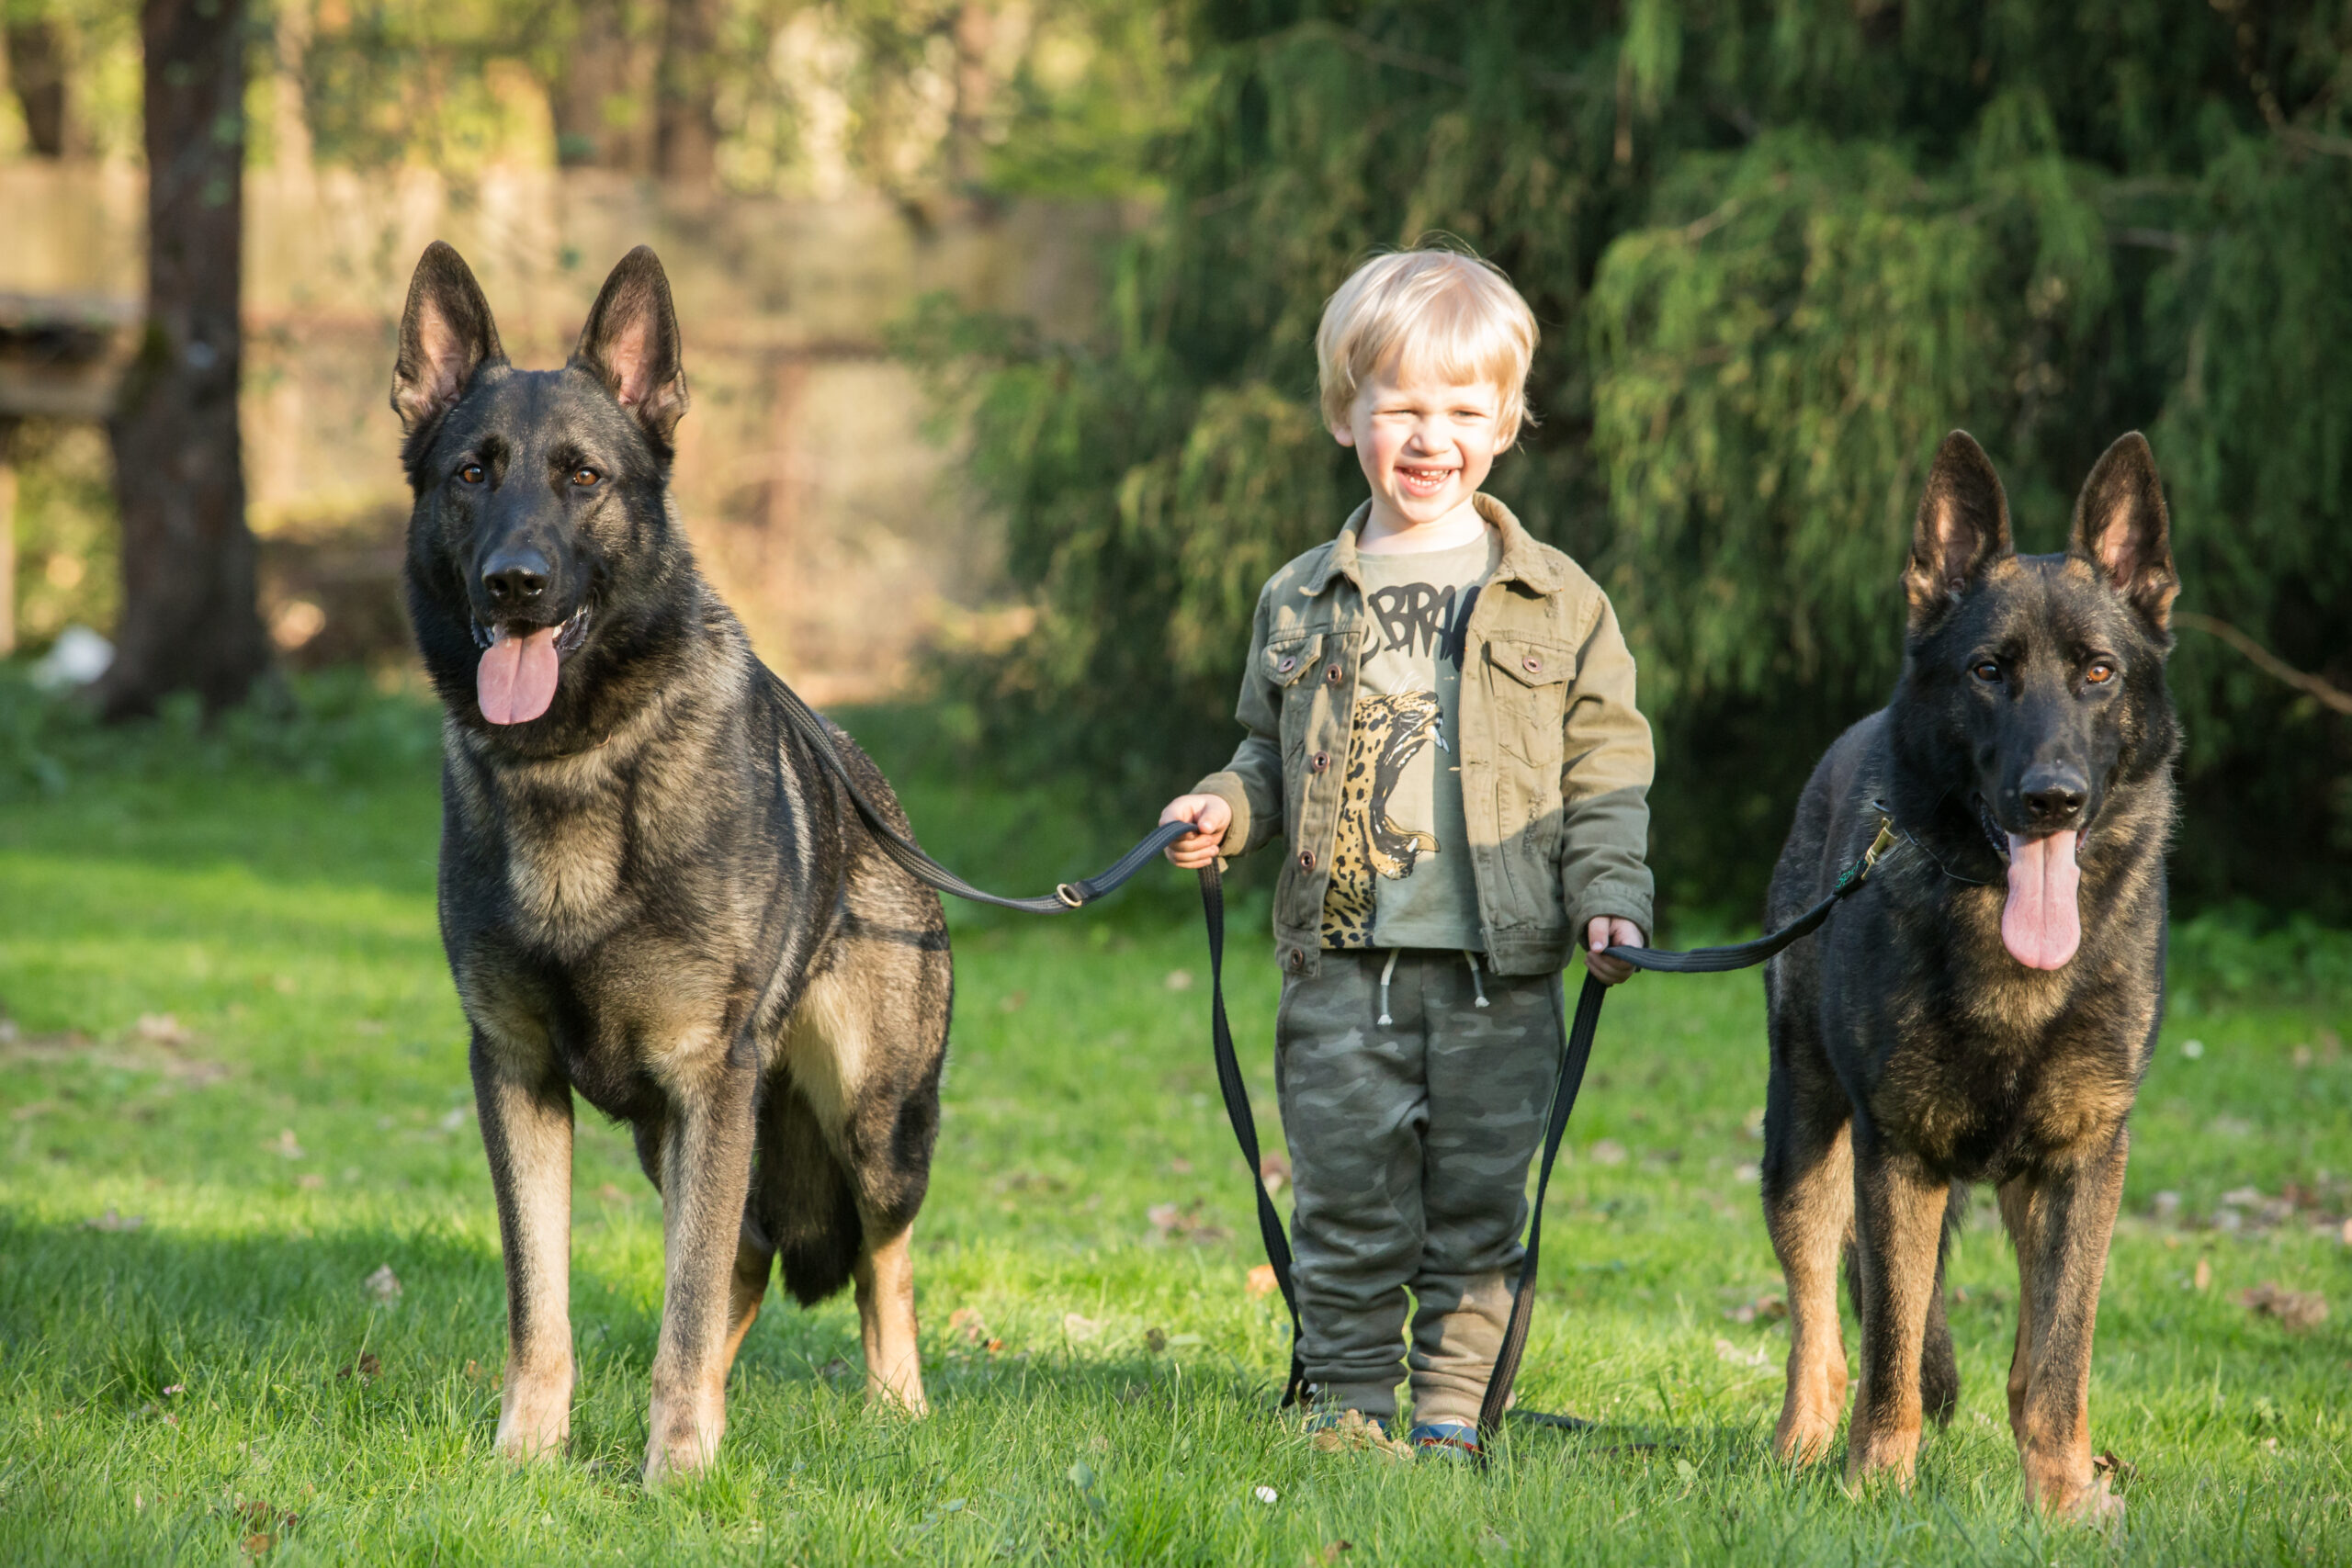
(1181, 1166)
(1155, 1340)
(1169, 1223)
(993, 1346)
(1328, 1553)
(1743, 1174)
(1013, 1001)
(384, 1285)
(1607, 1151)
(1353, 1432)
(257, 1543)
(309, 1181)
(966, 1322)
(367, 1367)
(1766, 1308)
(1727, 1351)
(161, 1029)
(1180, 980)
(112, 1221)
(2298, 1310)
(1262, 1280)
(2346, 1233)
(2122, 1471)
(1079, 1327)
(474, 1371)
(611, 1194)
(287, 1145)
(1274, 1170)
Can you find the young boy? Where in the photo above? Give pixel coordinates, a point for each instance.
(1441, 725)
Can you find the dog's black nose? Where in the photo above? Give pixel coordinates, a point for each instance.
(2052, 797)
(516, 578)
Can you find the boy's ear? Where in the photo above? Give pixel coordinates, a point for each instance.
(1962, 527)
(631, 344)
(447, 334)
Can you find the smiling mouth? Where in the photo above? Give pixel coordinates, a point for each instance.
(1423, 480)
(515, 680)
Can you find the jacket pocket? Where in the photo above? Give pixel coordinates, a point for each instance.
(1287, 664)
(1529, 680)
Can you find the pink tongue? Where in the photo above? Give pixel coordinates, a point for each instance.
(2041, 925)
(516, 679)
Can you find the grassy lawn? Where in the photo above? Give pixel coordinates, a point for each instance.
(235, 1093)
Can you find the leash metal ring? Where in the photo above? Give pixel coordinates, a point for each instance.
(1070, 896)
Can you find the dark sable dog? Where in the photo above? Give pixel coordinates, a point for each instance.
(1982, 1010)
(651, 892)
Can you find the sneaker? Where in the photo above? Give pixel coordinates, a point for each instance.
(1445, 1439)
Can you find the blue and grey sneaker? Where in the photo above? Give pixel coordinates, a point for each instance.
(1445, 1439)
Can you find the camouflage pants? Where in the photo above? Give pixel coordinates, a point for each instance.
(1410, 1143)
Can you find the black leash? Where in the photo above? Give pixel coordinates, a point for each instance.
(1575, 1040)
(910, 858)
(1576, 1050)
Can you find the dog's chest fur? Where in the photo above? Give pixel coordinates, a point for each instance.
(1979, 1066)
(605, 934)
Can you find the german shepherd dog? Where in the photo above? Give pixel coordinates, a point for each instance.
(651, 892)
(1984, 1009)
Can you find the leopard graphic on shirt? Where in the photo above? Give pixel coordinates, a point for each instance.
(1400, 874)
(1389, 732)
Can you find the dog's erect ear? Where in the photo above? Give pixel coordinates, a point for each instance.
(2121, 527)
(1963, 526)
(630, 344)
(446, 335)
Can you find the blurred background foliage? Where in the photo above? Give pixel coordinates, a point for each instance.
(1778, 248)
(1778, 251)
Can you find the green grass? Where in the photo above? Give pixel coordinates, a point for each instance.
(177, 1389)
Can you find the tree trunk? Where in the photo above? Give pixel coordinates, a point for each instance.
(686, 150)
(599, 99)
(37, 74)
(188, 616)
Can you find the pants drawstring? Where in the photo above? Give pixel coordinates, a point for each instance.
(1388, 970)
(1477, 983)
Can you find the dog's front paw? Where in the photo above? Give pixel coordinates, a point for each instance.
(534, 1415)
(683, 1436)
(2085, 1501)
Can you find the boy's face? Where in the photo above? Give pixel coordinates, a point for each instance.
(1425, 445)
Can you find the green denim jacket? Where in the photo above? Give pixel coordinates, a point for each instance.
(1556, 759)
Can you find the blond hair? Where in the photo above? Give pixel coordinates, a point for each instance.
(1427, 312)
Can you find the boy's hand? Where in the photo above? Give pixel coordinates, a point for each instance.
(1210, 816)
(1606, 931)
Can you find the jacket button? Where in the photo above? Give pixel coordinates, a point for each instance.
(1332, 674)
(1320, 761)
(1531, 664)
(1306, 860)
(1288, 665)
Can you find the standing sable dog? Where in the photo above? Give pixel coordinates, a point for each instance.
(651, 892)
(1982, 1010)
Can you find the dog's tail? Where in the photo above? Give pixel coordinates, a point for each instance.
(1939, 1368)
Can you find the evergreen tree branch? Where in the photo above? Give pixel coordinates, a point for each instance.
(2270, 663)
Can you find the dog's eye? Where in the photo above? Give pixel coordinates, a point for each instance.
(585, 478)
(2099, 673)
(1985, 670)
(472, 473)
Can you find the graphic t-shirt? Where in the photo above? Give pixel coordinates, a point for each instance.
(1400, 872)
